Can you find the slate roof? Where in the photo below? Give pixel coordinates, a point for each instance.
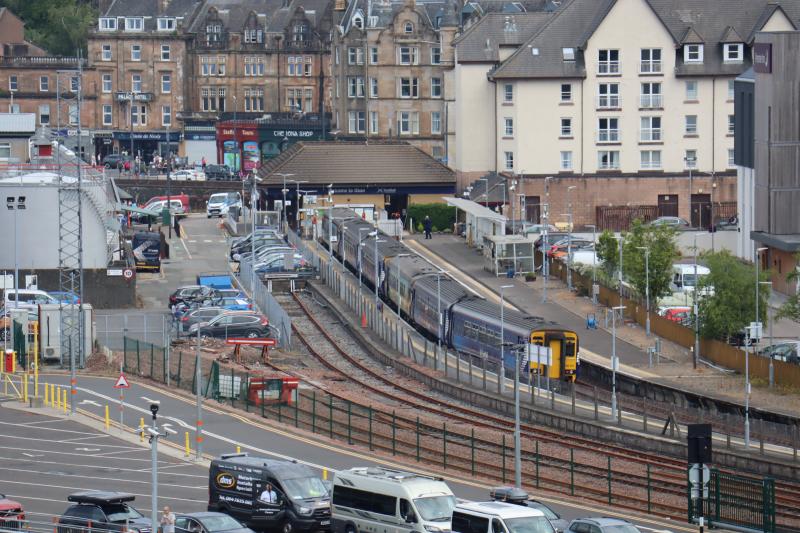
(386, 10)
(149, 9)
(481, 42)
(357, 162)
(711, 23)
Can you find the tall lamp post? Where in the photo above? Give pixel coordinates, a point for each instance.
(647, 284)
(694, 306)
(594, 262)
(770, 320)
(485, 180)
(297, 203)
(517, 458)
(614, 360)
(545, 240)
(569, 236)
(153, 436)
(285, 175)
(755, 335)
(440, 325)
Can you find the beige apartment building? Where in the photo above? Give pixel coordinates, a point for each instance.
(616, 117)
(392, 72)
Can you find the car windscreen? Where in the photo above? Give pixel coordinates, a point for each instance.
(546, 511)
(218, 198)
(118, 513)
(220, 523)
(621, 528)
(303, 488)
(529, 524)
(435, 508)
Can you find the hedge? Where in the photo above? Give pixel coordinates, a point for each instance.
(443, 216)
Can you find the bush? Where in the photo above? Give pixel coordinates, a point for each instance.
(442, 215)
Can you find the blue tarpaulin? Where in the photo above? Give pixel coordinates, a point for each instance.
(217, 281)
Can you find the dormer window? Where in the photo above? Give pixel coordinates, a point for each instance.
(300, 32)
(134, 24)
(166, 24)
(734, 53)
(108, 24)
(568, 54)
(358, 21)
(213, 33)
(408, 27)
(693, 53)
(253, 36)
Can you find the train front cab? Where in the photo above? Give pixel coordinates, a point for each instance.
(563, 347)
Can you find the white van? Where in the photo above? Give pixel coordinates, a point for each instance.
(381, 500)
(683, 276)
(26, 298)
(497, 517)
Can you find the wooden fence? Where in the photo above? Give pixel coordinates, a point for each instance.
(718, 352)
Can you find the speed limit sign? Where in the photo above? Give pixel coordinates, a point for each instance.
(127, 273)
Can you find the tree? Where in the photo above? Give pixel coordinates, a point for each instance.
(608, 252)
(59, 26)
(791, 308)
(728, 298)
(660, 241)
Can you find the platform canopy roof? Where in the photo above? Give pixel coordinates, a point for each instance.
(473, 208)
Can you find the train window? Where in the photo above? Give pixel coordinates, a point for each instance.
(569, 350)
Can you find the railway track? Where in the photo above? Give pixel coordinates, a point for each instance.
(668, 474)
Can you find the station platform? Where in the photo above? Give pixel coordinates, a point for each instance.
(674, 367)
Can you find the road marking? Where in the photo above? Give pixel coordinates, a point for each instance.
(72, 453)
(187, 248)
(73, 489)
(208, 240)
(39, 439)
(351, 453)
(74, 465)
(86, 438)
(46, 429)
(40, 422)
(145, 482)
(88, 450)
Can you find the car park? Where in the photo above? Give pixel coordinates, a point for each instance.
(108, 511)
(601, 525)
(12, 514)
(209, 522)
(520, 497)
(233, 325)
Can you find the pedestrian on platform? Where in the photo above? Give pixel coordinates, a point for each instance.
(428, 225)
(176, 226)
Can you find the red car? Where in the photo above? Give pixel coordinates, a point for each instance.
(12, 515)
(679, 314)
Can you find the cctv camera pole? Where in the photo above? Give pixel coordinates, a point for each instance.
(154, 468)
(197, 386)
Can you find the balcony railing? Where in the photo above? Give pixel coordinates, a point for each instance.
(41, 61)
(608, 67)
(651, 165)
(610, 164)
(650, 67)
(608, 101)
(651, 101)
(608, 136)
(650, 134)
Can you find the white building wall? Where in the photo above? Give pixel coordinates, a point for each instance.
(745, 190)
(474, 122)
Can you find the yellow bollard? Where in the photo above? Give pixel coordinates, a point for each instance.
(141, 429)
(46, 395)
(188, 449)
(324, 473)
(64, 404)
(36, 359)
(58, 398)
(238, 449)
(53, 394)
(108, 420)
(25, 387)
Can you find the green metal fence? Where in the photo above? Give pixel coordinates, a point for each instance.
(736, 501)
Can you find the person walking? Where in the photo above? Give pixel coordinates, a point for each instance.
(176, 226)
(167, 520)
(428, 225)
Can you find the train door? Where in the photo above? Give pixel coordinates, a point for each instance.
(554, 344)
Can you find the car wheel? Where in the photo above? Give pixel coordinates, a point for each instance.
(350, 528)
(287, 527)
(252, 334)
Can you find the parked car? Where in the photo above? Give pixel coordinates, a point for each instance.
(105, 510)
(260, 232)
(115, 160)
(681, 315)
(602, 525)
(520, 497)
(220, 203)
(675, 222)
(209, 522)
(188, 175)
(562, 246)
(156, 207)
(206, 314)
(552, 238)
(26, 298)
(783, 351)
(233, 325)
(245, 249)
(218, 173)
(278, 264)
(191, 292)
(12, 514)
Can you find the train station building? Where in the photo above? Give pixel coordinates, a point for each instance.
(379, 179)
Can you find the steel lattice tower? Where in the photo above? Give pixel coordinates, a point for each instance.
(70, 241)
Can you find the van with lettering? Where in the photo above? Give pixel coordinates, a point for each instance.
(370, 499)
(269, 495)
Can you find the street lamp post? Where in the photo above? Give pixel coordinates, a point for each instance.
(614, 360)
(377, 273)
(501, 376)
(439, 327)
(297, 204)
(153, 436)
(486, 195)
(569, 236)
(647, 284)
(284, 175)
(619, 270)
(696, 314)
(755, 334)
(545, 240)
(771, 355)
(198, 376)
(713, 228)
(594, 261)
